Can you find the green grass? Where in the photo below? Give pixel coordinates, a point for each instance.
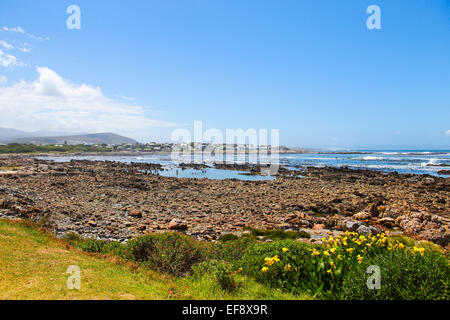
(33, 265)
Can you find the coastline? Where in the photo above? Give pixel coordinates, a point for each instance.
(112, 200)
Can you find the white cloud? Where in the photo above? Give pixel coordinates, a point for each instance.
(15, 29)
(26, 48)
(8, 61)
(447, 132)
(6, 45)
(3, 79)
(55, 104)
(22, 31)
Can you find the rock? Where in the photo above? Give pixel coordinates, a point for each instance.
(177, 224)
(352, 225)
(373, 210)
(367, 229)
(92, 223)
(1, 203)
(318, 227)
(363, 215)
(268, 240)
(388, 222)
(135, 213)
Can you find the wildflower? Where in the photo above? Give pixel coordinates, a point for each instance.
(276, 259)
(339, 257)
(333, 250)
(264, 269)
(285, 249)
(269, 262)
(419, 250)
(288, 267)
(350, 250)
(360, 258)
(330, 271)
(326, 253)
(400, 245)
(315, 253)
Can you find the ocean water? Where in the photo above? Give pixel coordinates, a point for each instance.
(401, 161)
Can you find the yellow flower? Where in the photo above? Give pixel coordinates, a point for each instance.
(285, 249)
(400, 245)
(330, 271)
(419, 250)
(339, 257)
(288, 267)
(333, 250)
(326, 253)
(276, 259)
(315, 253)
(265, 269)
(360, 258)
(269, 262)
(350, 250)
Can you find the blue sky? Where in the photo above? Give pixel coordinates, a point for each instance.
(311, 69)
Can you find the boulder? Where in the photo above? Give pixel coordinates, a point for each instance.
(177, 224)
(92, 223)
(363, 215)
(135, 213)
(319, 226)
(387, 222)
(367, 229)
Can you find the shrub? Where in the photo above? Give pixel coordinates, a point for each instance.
(172, 253)
(225, 276)
(405, 275)
(233, 250)
(318, 270)
(91, 245)
(72, 237)
(279, 234)
(254, 257)
(220, 270)
(407, 241)
(228, 237)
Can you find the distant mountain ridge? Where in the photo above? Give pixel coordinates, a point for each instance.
(95, 138)
(7, 134)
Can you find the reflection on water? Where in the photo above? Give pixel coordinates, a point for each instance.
(412, 161)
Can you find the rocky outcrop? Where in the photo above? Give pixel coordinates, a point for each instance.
(111, 200)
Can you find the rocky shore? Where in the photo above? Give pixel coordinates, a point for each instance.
(112, 200)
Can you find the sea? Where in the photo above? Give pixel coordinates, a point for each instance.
(402, 161)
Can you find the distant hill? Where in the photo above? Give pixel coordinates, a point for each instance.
(9, 134)
(96, 138)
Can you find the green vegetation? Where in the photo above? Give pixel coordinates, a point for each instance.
(33, 265)
(405, 276)
(278, 234)
(32, 148)
(176, 266)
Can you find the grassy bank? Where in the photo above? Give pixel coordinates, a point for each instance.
(33, 265)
